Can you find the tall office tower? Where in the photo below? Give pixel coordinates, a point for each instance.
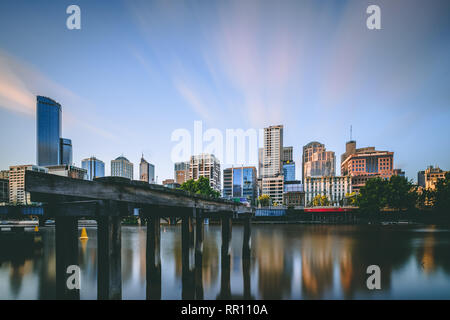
(181, 172)
(273, 151)
(17, 193)
(121, 167)
(146, 171)
(65, 151)
(95, 168)
(205, 165)
(240, 182)
(48, 125)
(317, 161)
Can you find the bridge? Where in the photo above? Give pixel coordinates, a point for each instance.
(108, 200)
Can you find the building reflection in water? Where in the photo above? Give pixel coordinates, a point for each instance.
(287, 261)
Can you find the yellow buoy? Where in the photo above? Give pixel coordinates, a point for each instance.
(83, 234)
(36, 229)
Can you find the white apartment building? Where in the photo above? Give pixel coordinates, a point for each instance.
(334, 188)
(206, 165)
(17, 193)
(272, 151)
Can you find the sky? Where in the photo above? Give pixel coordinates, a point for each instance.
(137, 71)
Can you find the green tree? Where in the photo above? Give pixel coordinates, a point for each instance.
(373, 196)
(264, 200)
(441, 194)
(200, 186)
(351, 198)
(320, 201)
(400, 193)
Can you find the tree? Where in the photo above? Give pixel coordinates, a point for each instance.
(200, 186)
(441, 194)
(320, 201)
(400, 193)
(373, 196)
(351, 198)
(264, 200)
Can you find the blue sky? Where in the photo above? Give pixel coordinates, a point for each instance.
(138, 70)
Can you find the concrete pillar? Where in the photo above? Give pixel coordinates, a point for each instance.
(66, 239)
(187, 258)
(199, 222)
(109, 277)
(153, 257)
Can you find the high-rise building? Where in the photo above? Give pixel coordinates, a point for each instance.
(94, 167)
(205, 165)
(146, 171)
(48, 124)
(240, 182)
(17, 194)
(181, 172)
(65, 151)
(66, 170)
(289, 170)
(365, 163)
(271, 161)
(4, 174)
(272, 151)
(317, 161)
(334, 188)
(260, 162)
(121, 167)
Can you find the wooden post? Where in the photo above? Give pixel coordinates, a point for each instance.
(199, 221)
(109, 277)
(225, 287)
(66, 239)
(153, 255)
(187, 258)
(246, 255)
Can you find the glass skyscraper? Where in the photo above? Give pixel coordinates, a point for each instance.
(48, 127)
(289, 170)
(95, 167)
(121, 167)
(65, 151)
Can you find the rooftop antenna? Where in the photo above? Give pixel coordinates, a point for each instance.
(350, 132)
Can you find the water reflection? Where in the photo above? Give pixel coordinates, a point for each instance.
(287, 262)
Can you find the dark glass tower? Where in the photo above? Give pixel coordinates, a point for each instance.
(66, 151)
(48, 118)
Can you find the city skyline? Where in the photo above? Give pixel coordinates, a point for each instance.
(134, 73)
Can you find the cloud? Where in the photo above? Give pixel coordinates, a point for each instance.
(21, 82)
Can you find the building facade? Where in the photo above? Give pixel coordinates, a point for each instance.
(272, 152)
(146, 171)
(65, 151)
(334, 188)
(94, 167)
(431, 176)
(365, 163)
(121, 167)
(17, 194)
(4, 191)
(205, 165)
(48, 129)
(181, 172)
(317, 161)
(274, 187)
(240, 182)
(294, 195)
(66, 170)
(289, 170)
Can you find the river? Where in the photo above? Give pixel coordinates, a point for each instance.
(289, 261)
